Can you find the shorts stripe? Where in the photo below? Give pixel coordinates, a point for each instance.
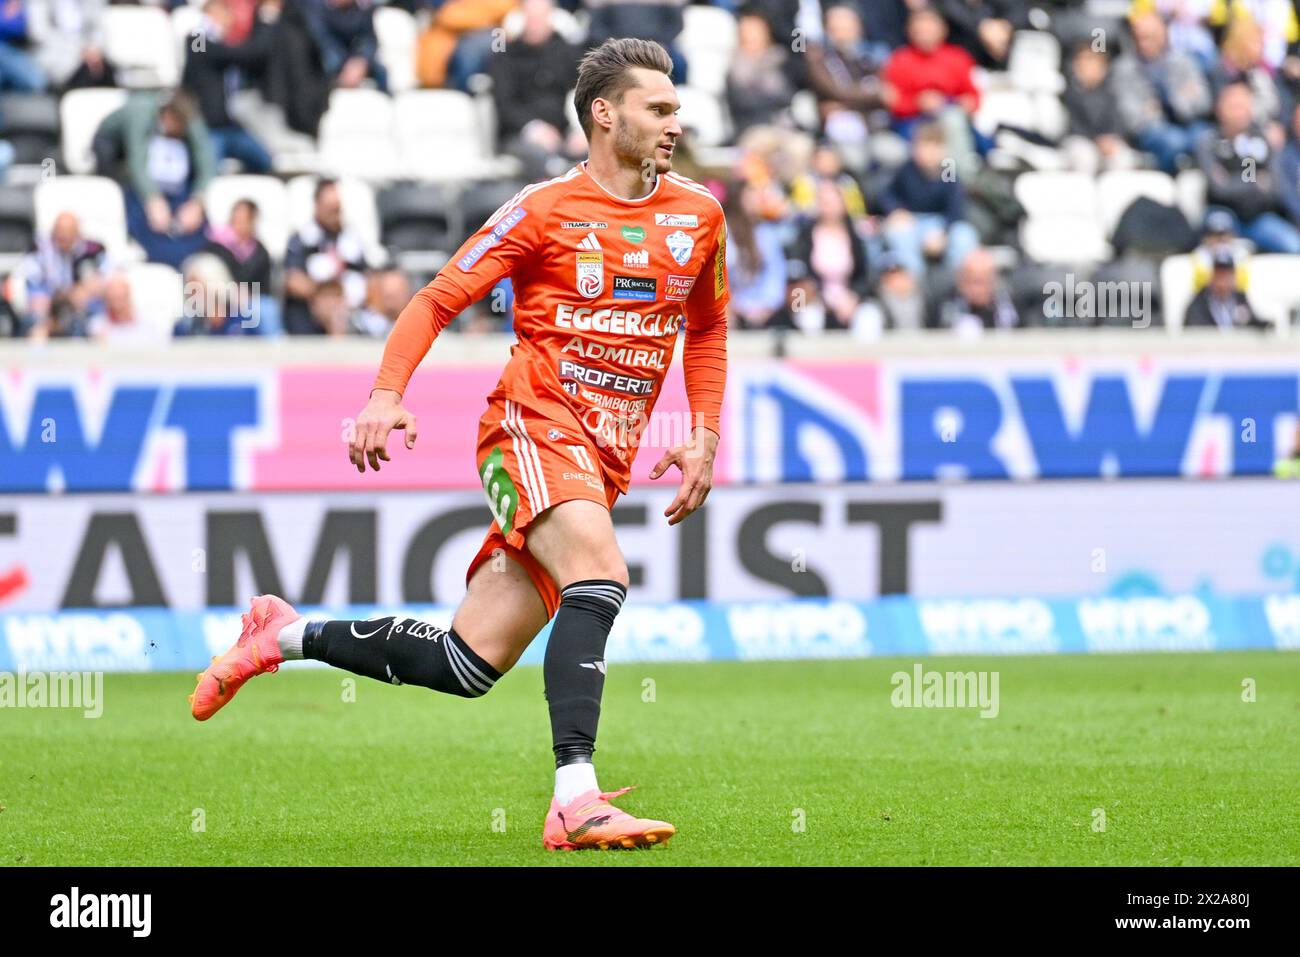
(525, 472)
(531, 449)
(529, 461)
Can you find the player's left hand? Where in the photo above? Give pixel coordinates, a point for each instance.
(695, 459)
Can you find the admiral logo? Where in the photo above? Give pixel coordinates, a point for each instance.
(637, 260)
(635, 287)
(601, 379)
(678, 288)
(621, 355)
(584, 224)
(677, 219)
(511, 219)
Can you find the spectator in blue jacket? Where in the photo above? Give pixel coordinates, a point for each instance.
(925, 206)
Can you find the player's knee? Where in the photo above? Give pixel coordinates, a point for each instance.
(610, 568)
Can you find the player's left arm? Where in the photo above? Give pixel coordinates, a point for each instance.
(704, 365)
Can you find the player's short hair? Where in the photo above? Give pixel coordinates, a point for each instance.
(604, 72)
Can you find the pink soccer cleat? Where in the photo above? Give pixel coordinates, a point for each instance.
(256, 652)
(590, 821)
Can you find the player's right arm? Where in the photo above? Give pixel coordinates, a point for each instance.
(507, 239)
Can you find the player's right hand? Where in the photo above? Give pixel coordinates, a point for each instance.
(382, 414)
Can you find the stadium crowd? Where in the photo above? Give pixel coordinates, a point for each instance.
(884, 164)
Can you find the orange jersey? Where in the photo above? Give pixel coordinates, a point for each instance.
(602, 287)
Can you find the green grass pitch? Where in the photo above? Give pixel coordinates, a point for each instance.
(754, 762)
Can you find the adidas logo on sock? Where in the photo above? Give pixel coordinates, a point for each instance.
(597, 665)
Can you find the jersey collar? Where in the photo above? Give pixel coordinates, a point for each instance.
(619, 199)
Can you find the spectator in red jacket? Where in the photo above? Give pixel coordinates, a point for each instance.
(928, 74)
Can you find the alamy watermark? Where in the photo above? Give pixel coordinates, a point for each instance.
(77, 690)
(1085, 299)
(946, 689)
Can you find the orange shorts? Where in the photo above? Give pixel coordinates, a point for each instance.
(527, 464)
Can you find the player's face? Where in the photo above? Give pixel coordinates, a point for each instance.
(645, 123)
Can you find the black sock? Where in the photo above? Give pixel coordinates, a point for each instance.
(574, 667)
(401, 651)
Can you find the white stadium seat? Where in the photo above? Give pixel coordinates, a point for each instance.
(157, 293)
(1057, 194)
(1190, 184)
(1117, 189)
(1273, 292)
(1034, 64)
(272, 201)
(397, 33)
(439, 136)
(96, 200)
(359, 210)
(704, 113)
(80, 113)
(139, 41)
(1064, 239)
(356, 136)
(1175, 289)
(707, 41)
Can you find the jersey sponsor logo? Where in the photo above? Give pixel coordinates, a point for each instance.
(584, 477)
(584, 224)
(570, 387)
(678, 288)
(603, 379)
(589, 241)
(680, 245)
(590, 275)
(615, 403)
(554, 434)
(677, 219)
(720, 266)
(620, 355)
(502, 497)
(507, 223)
(637, 260)
(633, 234)
(635, 287)
(620, 322)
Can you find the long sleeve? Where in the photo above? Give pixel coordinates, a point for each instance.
(704, 353)
(501, 244)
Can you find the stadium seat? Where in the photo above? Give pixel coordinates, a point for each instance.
(140, 43)
(157, 293)
(96, 200)
(272, 201)
(30, 122)
(17, 219)
(1064, 238)
(707, 41)
(80, 113)
(419, 218)
(359, 209)
(1057, 194)
(1117, 189)
(1034, 64)
(1014, 108)
(186, 23)
(397, 33)
(439, 137)
(478, 202)
(1176, 289)
(1274, 293)
(705, 115)
(356, 136)
(1190, 185)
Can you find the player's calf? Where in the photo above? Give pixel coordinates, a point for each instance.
(399, 651)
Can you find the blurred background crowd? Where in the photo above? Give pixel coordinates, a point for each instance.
(299, 167)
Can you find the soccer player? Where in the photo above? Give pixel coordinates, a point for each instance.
(608, 261)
